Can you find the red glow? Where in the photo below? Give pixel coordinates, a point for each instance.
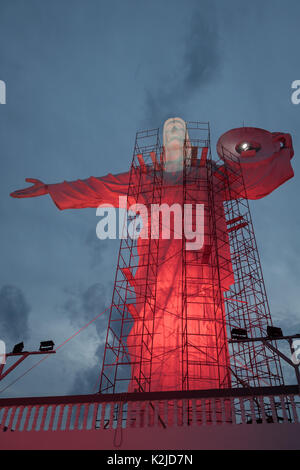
(179, 336)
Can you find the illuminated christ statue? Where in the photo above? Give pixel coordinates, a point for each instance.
(266, 164)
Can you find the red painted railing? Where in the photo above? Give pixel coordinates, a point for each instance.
(273, 405)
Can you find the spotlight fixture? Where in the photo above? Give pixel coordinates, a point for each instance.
(274, 332)
(18, 348)
(247, 146)
(46, 345)
(239, 333)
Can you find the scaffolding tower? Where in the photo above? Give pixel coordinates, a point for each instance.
(205, 311)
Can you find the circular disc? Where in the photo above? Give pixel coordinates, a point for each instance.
(259, 142)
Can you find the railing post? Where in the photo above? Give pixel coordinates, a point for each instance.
(233, 410)
(69, 415)
(242, 406)
(20, 414)
(262, 409)
(85, 415)
(111, 415)
(139, 406)
(274, 412)
(203, 411)
(295, 415)
(253, 413)
(11, 418)
(25, 427)
(176, 418)
(166, 412)
(103, 408)
(156, 413)
(194, 412)
(120, 414)
(77, 415)
(43, 417)
(95, 414)
(284, 413)
(60, 417)
(52, 417)
(3, 420)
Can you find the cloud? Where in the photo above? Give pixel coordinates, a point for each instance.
(84, 304)
(14, 313)
(287, 320)
(97, 248)
(199, 64)
(88, 379)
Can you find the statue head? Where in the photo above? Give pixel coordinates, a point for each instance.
(176, 144)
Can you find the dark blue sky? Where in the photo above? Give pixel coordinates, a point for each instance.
(82, 76)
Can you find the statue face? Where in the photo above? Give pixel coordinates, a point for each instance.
(174, 136)
(174, 132)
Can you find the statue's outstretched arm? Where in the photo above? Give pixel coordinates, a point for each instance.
(265, 160)
(37, 189)
(79, 194)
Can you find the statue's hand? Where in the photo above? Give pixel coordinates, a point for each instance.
(285, 141)
(38, 189)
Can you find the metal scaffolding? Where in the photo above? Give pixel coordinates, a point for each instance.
(221, 285)
(246, 302)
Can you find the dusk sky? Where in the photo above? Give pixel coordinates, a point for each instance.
(82, 77)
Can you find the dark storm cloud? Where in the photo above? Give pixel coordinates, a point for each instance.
(84, 305)
(14, 312)
(201, 59)
(199, 64)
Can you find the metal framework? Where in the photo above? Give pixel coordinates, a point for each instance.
(22, 356)
(117, 362)
(128, 366)
(252, 364)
